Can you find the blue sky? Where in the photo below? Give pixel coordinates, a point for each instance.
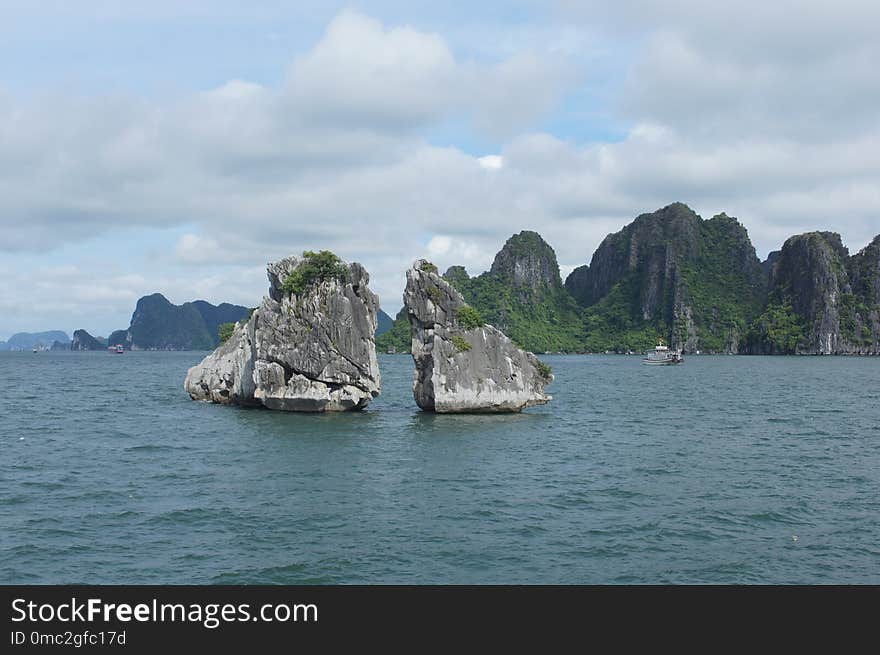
(178, 147)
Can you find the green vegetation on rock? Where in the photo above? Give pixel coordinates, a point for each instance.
(544, 370)
(614, 325)
(316, 267)
(469, 318)
(780, 327)
(696, 283)
(821, 300)
(224, 331)
(461, 345)
(724, 285)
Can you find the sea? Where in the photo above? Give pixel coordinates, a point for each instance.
(726, 469)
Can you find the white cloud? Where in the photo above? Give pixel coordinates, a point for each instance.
(723, 118)
(363, 74)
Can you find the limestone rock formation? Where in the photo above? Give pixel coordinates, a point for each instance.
(461, 364)
(527, 261)
(308, 347)
(696, 282)
(82, 340)
(822, 301)
(157, 324)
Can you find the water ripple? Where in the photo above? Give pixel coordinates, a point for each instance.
(727, 470)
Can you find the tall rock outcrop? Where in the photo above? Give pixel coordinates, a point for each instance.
(527, 262)
(821, 301)
(670, 273)
(523, 295)
(308, 347)
(463, 365)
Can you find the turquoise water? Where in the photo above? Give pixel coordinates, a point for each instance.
(723, 470)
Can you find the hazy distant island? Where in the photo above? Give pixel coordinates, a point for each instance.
(39, 340)
(696, 283)
(156, 324)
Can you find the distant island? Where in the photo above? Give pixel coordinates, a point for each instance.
(39, 340)
(696, 283)
(156, 324)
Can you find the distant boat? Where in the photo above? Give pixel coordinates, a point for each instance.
(391, 351)
(662, 356)
(36, 349)
(119, 349)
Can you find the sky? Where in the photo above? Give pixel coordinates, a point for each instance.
(179, 147)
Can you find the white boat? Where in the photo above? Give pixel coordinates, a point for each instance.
(662, 356)
(119, 349)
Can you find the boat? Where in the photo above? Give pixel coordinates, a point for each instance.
(36, 349)
(119, 349)
(662, 356)
(391, 351)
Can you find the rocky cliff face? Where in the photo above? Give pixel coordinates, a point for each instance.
(527, 262)
(670, 273)
(304, 349)
(821, 300)
(463, 365)
(861, 315)
(82, 340)
(651, 245)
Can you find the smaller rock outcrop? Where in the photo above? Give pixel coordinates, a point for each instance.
(463, 365)
(527, 261)
(82, 340)
(309, 346)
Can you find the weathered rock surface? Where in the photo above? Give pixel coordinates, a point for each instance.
(822, 301)
(461, 367)
(526, 260)
(311, 351)
(698, 282)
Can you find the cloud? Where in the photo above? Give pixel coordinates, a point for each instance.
(363, 74)
(772, 120)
